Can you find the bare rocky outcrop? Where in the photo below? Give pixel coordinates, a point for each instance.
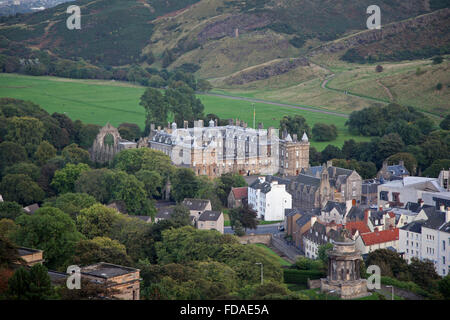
(393, 29)
(228, 26)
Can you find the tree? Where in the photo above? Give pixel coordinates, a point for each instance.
(11, 153)
(20, 188)
(9, 255)
(26, 131)
(445, 124)
(390, 263)
(331, 152)
(324, 132)
(71, 203)
(34, 284)
(180, 215)
(228, 181)
(101, 249)
(323, 253)
(156, 108)
(423, 273)
(204, 85)
(246, 217)
(87, 134)
(131, 191)
(409, 160)
(44, 152)
(74, 154)
(185, 184)
(238, 229)
(439, 86)
(129, 131)
(50, 230)
(436, 167)
(26, 168)
(133, 160)
(390, 144)
(65, 178)
(444, 287)
(97, 221)
(295, 125)
(379, 68)
(10, 210)
(8, 228)
(89, 291)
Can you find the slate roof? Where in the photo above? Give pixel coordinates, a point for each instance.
(445, 227)
(397, 170)
(307, 180)
(27, 251)
(293, 212)
(340, 207)
(196, 204)
(319, 239)
(31, 208)
(263, 186)
(355, 214)
(415, 226)
(304, 219)
(164, 213)
(240, 193)
(210, 216)
(435, 219)
(368, 188)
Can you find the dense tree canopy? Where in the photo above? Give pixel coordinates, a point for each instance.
(21, 188)
(51, 230)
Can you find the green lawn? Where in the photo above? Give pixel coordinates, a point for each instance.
(270, 252)
(99, 102)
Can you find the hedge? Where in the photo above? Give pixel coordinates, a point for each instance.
(301, 276)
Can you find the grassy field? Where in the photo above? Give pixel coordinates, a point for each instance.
(399, 82)
(99, 102)
(270, 252)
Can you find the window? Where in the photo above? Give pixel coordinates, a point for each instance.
(443, 260)
(443, 245)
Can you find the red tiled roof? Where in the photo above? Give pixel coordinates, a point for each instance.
(240, 193)
(380, 236)
(361, 226)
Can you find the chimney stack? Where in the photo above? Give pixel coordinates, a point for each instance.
(447, 215)
(295, 137)
(442, 208)
(186, 124)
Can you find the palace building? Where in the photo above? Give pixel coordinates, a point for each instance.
(214, 150)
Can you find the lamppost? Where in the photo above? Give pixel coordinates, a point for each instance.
(327, 292)
(392, 287)
(262, 272)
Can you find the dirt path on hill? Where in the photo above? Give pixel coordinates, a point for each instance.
(388, 92)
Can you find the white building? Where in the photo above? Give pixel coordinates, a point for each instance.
(428, 239)
(410, 189)
(269, 199)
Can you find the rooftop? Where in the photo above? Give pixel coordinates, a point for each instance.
(240, 193)
(196, 204)
(107, 270)
(210, 216)
(377, 237)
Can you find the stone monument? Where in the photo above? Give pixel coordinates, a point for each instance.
(343, 270)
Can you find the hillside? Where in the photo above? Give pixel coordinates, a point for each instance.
(118, 32)
(279, 50)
